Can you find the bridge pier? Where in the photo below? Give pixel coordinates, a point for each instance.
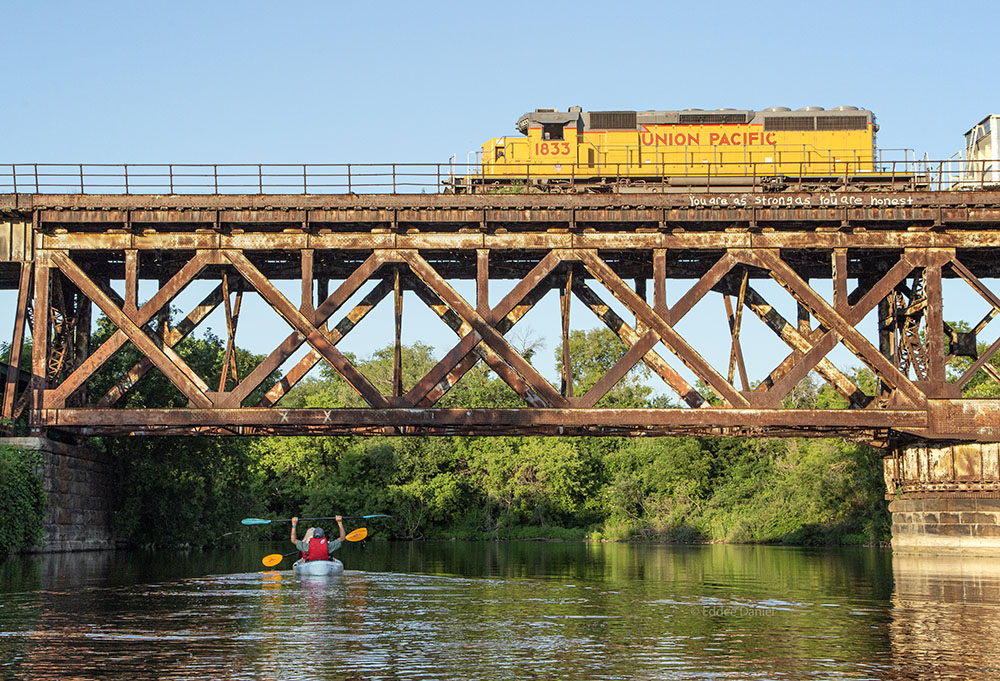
(945, 498)
(77, 482)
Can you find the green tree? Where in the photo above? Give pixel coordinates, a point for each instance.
(22, 500)
(592, 354)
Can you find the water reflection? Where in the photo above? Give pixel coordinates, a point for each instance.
(946, 616)
(561, 611)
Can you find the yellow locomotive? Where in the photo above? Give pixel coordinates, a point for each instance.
(776, 148)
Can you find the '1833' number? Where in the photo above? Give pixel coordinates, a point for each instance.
(552, 149)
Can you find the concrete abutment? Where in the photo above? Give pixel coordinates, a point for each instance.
(78, 485)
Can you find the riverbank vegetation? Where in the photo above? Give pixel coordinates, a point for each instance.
(22, 500)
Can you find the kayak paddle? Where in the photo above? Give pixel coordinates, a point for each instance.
(265, 521)
(275, 558)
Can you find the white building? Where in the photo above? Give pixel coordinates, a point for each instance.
(982, 152)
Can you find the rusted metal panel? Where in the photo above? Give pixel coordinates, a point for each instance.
(961, 418)
(441, 216)
(82, 217)
(532, 214)
(171, 216)
(440, 241)
(968, 462)
(991, 462)
(352, 216)
(618, 215)
(640, 419)
(257, 241)
(940, 464)
(16, 241)
(618, 240)
(97, 242)
(179, 241)
(364, 241)
(261, 217)
(528, 240)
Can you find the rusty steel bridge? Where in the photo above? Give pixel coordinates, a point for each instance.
(883, 253)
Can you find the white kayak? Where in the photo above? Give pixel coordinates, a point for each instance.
(318, 567)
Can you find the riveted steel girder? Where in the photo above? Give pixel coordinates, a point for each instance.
(840, 257)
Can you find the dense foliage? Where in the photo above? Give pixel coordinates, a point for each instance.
(22, 500)
(800, 491)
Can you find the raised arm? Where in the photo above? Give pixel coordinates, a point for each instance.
(295, 521)
(340, 524)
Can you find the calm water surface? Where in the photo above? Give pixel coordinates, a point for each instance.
(535, 610)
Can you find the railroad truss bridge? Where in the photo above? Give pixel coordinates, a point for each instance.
(865, 272)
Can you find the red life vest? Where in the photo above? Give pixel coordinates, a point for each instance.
(317, 549)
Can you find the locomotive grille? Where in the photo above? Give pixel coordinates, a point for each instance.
(842, 123)
(790, 123)
(816, 123)
(698, 118)
(613, 120)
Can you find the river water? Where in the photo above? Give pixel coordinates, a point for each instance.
(531, 610)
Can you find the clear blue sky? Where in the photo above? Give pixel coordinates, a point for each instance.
(335, 82)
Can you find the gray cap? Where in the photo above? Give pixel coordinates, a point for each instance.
(318, 533)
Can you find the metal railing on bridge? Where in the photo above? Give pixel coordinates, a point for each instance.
(436, 178)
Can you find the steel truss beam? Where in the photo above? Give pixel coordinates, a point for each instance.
(583, 248)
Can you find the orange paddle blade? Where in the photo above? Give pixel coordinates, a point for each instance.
(358, 534)
(272, 559)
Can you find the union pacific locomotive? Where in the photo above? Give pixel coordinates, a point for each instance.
(773, 149)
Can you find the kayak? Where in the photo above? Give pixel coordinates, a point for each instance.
(318, 567)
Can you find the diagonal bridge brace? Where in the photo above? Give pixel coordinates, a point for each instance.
(833, 320)
(304, 326)
(654, 321)
(493, 339)
(461, 358)
(167, 361)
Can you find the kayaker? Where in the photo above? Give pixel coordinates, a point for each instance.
(314, 545)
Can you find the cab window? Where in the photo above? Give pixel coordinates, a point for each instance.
(552, 131)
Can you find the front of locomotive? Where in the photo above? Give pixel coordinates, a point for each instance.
(547, 146)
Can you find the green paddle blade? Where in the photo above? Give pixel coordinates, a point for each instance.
(255, 521)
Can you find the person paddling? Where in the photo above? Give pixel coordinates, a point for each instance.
(314, 544)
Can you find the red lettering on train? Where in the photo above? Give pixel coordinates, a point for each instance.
(680, 139)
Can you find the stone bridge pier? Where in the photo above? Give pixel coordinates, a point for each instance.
(945, 498)
(78, 483)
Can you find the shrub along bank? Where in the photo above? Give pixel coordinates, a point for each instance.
(22, 500)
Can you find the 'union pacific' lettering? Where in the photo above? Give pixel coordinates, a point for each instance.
(651, 139)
